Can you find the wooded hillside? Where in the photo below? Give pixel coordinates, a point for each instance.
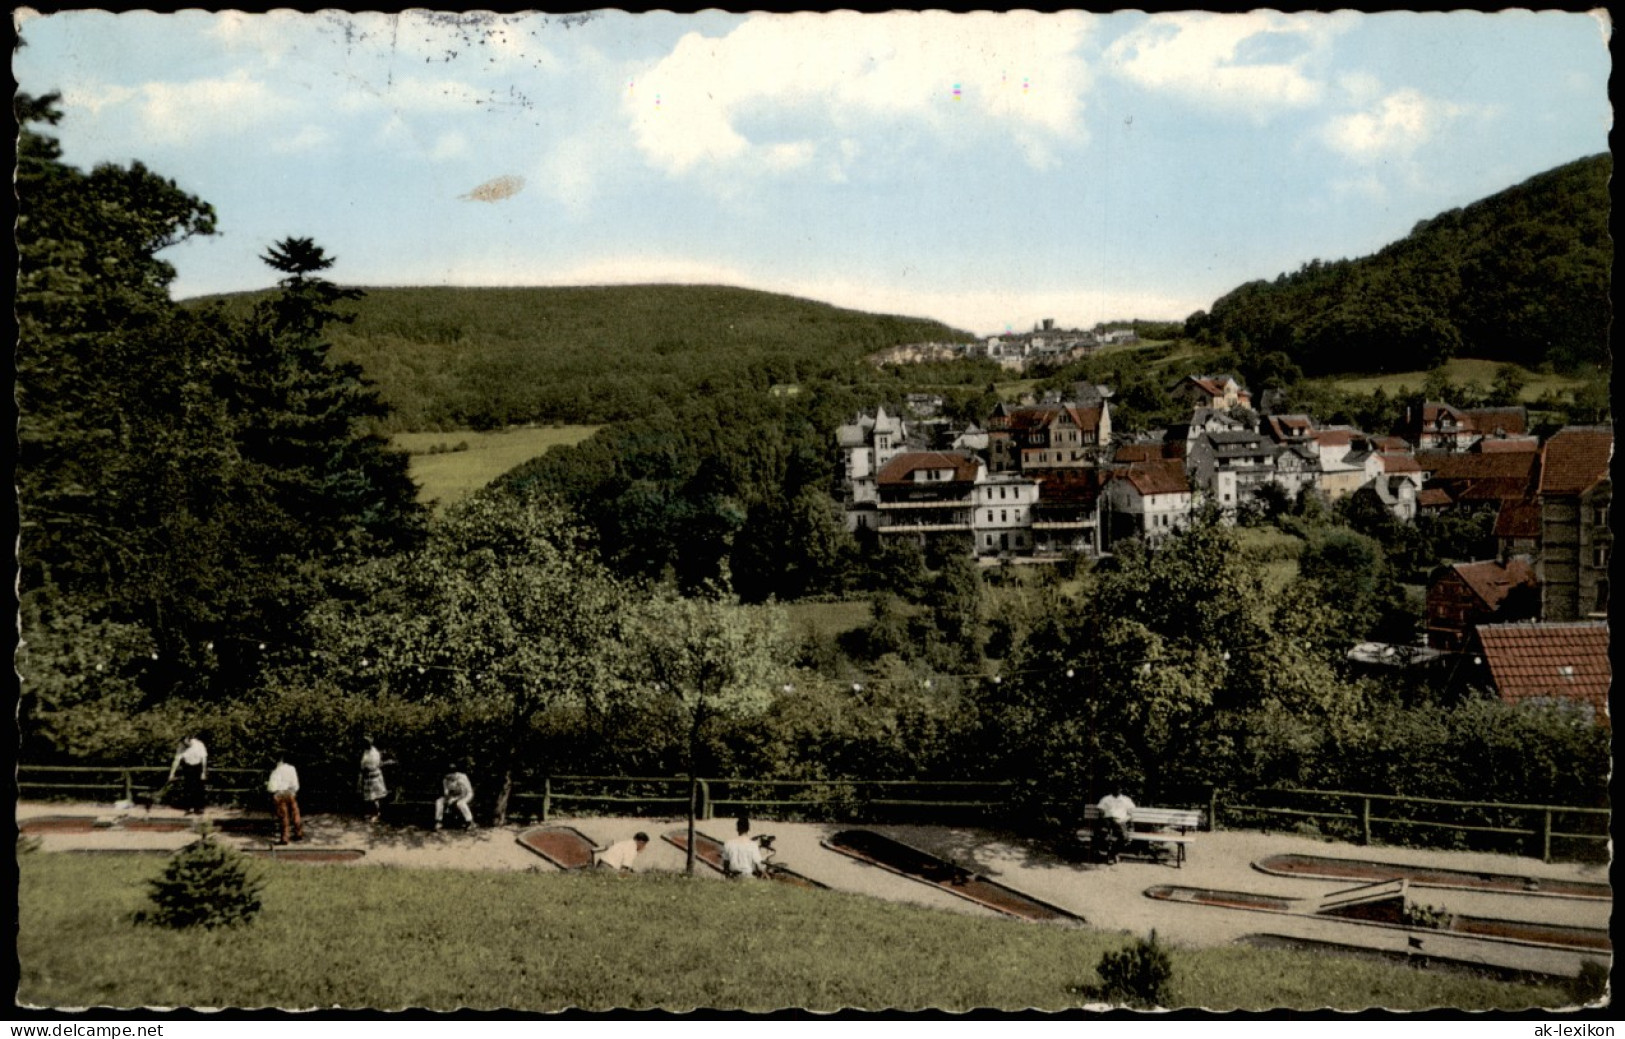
(1520, 276)
(483, 358)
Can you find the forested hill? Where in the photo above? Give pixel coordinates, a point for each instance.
(489, 357)
(1520, 276)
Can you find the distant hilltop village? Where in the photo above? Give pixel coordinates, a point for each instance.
(1050, 478)
(1014, 350)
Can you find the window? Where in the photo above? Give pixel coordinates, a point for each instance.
(1004, 517)
(987, 540)
(1599, 556)
(990, 517)
(1599, 515)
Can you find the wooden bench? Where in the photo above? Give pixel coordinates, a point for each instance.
(1173, 827)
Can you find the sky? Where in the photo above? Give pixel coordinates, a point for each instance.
(988, 171)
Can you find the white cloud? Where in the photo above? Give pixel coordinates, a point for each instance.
(783, 87)
(307, 138)
(175, 112)
(1203, 57)
(1396, 126)
(449, 146)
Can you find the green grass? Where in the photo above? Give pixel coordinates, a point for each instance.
(448, 473)
(1463, 370)
(826, 620)
(1273, 550)
(392, 938)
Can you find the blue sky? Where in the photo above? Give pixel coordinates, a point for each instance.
(985, 170)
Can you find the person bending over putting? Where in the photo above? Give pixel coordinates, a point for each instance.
(618, 857)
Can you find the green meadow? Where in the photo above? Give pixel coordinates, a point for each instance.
(374, 937)
(450, 466)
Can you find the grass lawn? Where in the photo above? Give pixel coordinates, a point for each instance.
(828, 619)
(392, 938)
(449, 474)
(1462, 370)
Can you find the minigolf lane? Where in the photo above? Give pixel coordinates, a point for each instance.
(906, 860)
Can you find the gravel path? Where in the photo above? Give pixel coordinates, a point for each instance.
(1109, 897)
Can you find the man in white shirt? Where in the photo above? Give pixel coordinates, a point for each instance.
(620, 855)
(455, 790)
(1111, 834)
(742, 856)
(284, 788)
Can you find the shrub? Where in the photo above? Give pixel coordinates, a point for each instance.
(1591, 984)
(206, 884)
(1137, 975)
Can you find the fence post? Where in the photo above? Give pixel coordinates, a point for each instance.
(129, 787)
(1546, 835)
(704, 789)
(547, 797)
(1365, 820)
(1213, 808)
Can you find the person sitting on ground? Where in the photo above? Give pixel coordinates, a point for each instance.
(742, 856)
(456, 790)
(620, 855)
(284, 788)
(1112, 830)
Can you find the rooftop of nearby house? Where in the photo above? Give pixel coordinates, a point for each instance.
(1163, 476)
(1532, 661)
(1518, 519)
(1575, 459)
(1506, 445)
(1513, 421)
(963, 467)
(1492, 582)
(1070, 487)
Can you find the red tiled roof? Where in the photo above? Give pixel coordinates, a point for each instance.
(1491, 581)
(1459, 465)
(1399, 464)
(1518, 519)
(1165, 476)
(1140, 452)
(1387, 444)
(1495, 445)
(1333, 437)
(1513, 420)
(1575, 460)
(1069, 486)
(902, 468)
(1549, 661)
(1431, 497)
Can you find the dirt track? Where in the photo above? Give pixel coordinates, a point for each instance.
(1108, 897)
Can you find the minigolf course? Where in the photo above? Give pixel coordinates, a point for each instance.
(911, 862)
(564, 846)
(709, 851)
(1325, 867)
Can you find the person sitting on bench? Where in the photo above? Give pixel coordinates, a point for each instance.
(457, 791)
(1112, 828)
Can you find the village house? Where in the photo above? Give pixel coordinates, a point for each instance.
(924, 495)
(1546, 663)
(866, 446)
(1343, 453)
(1211, 391)
(1437, 426)
(1003, 519)
(1477, 478)
(1517, 529)
(1231, 467)
(1147, 499)
(1468, 594)
(1066, 520)
(1576, 540)
(1027, 437)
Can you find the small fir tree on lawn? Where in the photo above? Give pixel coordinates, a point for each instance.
(1137, 975)
(206, 884)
